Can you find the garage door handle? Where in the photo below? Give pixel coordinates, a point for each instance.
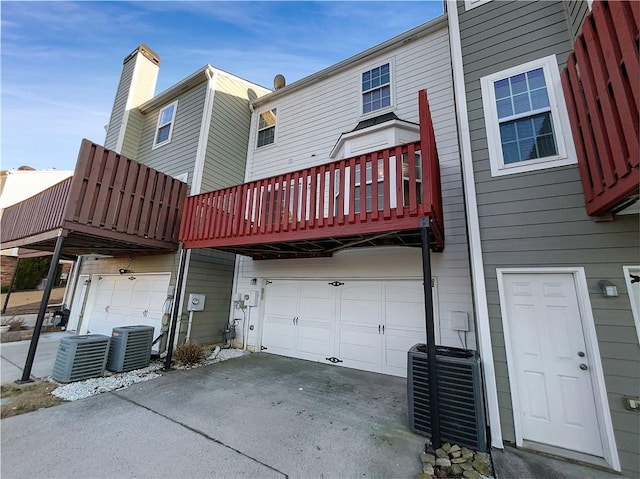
(334, 360)
(378, 329)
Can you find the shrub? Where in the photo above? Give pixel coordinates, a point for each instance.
(30, 272)
(190, 353)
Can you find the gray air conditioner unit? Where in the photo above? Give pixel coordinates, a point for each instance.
(130, 348)
(81, 357)
(462, 416)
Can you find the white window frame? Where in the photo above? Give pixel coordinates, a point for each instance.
(560, 119)
(392, 83)
(171, 124)
(469, 4)
(628, 270)
(275, 128)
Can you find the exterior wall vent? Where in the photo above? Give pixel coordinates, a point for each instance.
(81, 357)
(130, 348)
(462, 416)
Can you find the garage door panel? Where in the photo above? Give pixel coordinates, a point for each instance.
(318, 308)
(405, 315)
(369, 291)
(365, 312)
(405, 291)
(278, 333)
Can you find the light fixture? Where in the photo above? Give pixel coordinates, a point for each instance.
(123, 271)
(609, 290)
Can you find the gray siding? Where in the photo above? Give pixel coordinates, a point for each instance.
(178, 156)
(210, 273)
(577, 10)
(228, 135)
(538, 218)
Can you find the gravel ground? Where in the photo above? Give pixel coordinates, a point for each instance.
(93, 386)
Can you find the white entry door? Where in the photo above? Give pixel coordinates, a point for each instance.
(549, 362)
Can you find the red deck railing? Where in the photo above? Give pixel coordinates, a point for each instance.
(383, 191)
(601, 83)
(111, 205)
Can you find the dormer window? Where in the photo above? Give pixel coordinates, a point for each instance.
(376, 88)
(166, 119)
(267, 128)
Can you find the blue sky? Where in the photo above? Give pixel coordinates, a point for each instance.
(61, 61)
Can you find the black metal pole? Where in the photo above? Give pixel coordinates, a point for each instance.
(46, 294)
(176, 307)
(434, 397)
(13, 280)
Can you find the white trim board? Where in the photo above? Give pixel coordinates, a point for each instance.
(593, 351)
(483, 328)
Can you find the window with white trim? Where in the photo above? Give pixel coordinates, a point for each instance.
(469, 4)
(164, 129)
(526, 118)
(376, 88)
(266, 128)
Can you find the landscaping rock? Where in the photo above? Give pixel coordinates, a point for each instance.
(483, 456)
(482, 467)
(458, 460)
(466, 466)
(443, 461)
(428, 469)
(455, 454)
(471, 474)
(422, 475)
(446, 447)
(454, 448)
(428, 458)
(441, 453)
(456, 469)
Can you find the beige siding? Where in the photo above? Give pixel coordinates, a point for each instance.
(119, 105)
(226, 152)
(166, 263)
(309, 123)
(177, 156)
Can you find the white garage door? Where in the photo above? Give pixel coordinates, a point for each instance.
(117, 300)
(366, 325)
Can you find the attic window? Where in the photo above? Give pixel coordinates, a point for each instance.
(376, 88)
(267, 128)
(166, 119)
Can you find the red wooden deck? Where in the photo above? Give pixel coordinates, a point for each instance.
(601, 83)
(111, 205)
(322, 209)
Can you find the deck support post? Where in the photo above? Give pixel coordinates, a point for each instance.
(176, 306)
(13, 280)
(46, 294)
(434, 397)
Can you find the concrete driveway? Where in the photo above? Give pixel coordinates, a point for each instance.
(13, 356)
(256, 416)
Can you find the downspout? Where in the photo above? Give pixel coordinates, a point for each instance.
(475, 245)
(196, 181)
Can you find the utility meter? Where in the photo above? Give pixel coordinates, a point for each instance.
(196, 302)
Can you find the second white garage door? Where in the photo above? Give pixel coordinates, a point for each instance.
(367, 325)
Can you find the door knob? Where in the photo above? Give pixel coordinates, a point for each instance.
(581, 354)
(584, 367)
